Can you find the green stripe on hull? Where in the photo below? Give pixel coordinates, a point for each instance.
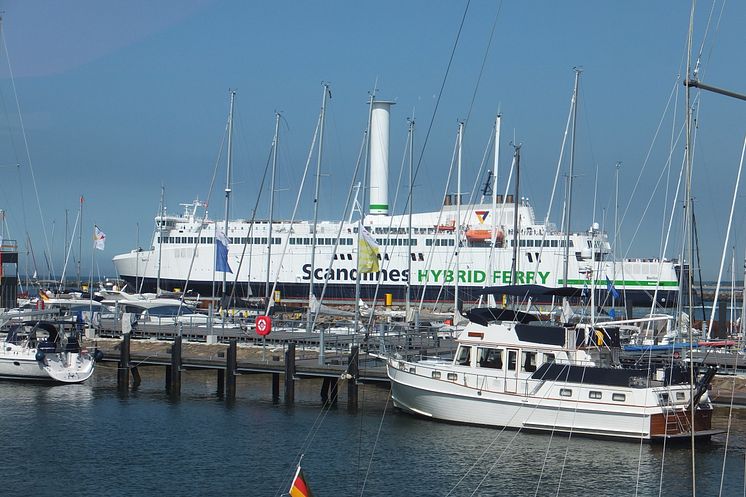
(379, 206)
(620, 284)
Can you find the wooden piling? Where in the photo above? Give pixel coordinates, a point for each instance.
(230, 370)
(353, 371)
(123, 372)
(334, 390)
(174, 387)
(136, 380)
(290, 374)
(275, 387)
(325, 389)
(221, 382)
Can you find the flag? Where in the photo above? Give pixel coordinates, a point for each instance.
(299, 487)
(221, 252)
(610, 288)
(99, 238)
(367, 252)
(612, 313)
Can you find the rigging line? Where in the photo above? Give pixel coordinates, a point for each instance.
(704, 37)
(440, 94)
(25, 142)
(297, 201)
(650, 150)
(250, 232)
(375, 443)
(202, 224)
(572, 426)
(484, 62)
(730, 419)
(727, 237)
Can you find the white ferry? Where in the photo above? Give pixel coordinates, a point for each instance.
(436, 253)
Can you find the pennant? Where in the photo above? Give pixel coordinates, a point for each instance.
(221, 252)
(299, 487)
(610, 288)
(99, 238)
(367, 253)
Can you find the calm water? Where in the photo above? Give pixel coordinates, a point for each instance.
(87, 440)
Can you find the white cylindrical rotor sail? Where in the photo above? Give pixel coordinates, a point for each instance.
(379, 158)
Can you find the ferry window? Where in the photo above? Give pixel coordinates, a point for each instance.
(512, 359)
(554, 243)
(490, 358)
(547, 243)
(571, 243)
(521, 243)
(565, 392)
(354, 230)
(209, 240)
(680, 396)
(307, 241)
(428, 242)
(463, 358)
(618, 397)
(593, 394)
(292, 241)
(529, 243)
(548, 357)
(529, 361)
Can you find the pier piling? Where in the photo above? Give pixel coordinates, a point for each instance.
(275, 387)
(290, 374)
(123, 372)
(136, 380)
(174, 385)
(230, 370)
(221, 382)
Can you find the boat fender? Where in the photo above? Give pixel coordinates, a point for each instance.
(98, 355)
(40, 355)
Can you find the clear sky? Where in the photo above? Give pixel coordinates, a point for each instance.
(118, 98)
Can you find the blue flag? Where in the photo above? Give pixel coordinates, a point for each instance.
(221, 252)
(610, 288)
(612, 313)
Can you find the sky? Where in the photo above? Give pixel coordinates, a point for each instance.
(117, 99)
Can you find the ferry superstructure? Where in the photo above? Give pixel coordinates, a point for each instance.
(424, 255)
(187, 241)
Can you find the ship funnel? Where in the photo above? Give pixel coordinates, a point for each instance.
(379, 157)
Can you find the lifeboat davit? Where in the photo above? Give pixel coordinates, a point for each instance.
(477, 235)
(449, 226)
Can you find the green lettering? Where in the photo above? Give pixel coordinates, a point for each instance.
(436, 274)
(461, 276)
(421, 275)
(543, 277)
(479, 276)
(448, 276)
(506, 277)
(496, 277)
(530, 275)
(519, 277)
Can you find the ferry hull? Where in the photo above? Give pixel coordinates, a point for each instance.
(345, 292)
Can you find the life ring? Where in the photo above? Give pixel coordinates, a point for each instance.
(676, 354)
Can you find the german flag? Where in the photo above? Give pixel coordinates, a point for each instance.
(299, 488)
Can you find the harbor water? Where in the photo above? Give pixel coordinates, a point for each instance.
(88, 440)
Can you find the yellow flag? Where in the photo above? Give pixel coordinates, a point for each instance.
(367, 253)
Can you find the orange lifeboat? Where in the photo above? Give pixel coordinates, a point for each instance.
(475, 235)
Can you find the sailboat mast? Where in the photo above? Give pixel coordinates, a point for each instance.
(517, 160)
(228, 175)
(275, 144)
(568, 214)
(409, 221)
(309, 323)
(457, 231)
(80, 240)
(495, 170)
(160, 241)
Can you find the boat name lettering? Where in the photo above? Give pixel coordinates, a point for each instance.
(477, 276)
(346, 274)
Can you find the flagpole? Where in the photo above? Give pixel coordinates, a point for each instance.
(90, 279)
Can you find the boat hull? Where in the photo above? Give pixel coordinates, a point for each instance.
(462, 397)
(63, 367)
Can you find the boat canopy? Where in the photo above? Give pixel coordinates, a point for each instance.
(532, 291)
(484, 315)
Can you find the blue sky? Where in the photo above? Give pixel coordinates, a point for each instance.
(118, 98)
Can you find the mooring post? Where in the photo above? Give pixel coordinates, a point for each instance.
(136, 380)
(290, 374)
(174, 386)
(275, 387)
(123, 372)
(230, 370)
(221, 382)
(334, 390)
(325, 389)
(353, 371)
